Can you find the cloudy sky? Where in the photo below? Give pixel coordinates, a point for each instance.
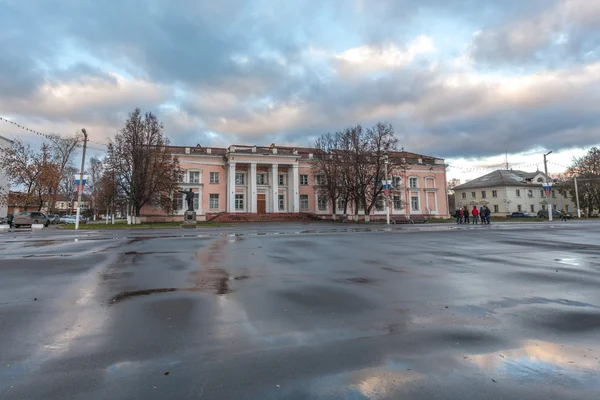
(467, 80)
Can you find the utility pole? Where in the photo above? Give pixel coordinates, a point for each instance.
(387, 191)
(80, 186)
(550, 194)
(577, 198)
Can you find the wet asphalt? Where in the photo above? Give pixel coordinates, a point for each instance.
(302, 311)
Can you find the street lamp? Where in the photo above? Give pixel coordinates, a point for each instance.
(387, 198)
(550, 193)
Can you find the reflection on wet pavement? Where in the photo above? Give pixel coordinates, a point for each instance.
(302, 312)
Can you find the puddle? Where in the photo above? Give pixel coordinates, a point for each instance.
(241, 277)
(127, 295)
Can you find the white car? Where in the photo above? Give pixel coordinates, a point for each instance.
(70, 219)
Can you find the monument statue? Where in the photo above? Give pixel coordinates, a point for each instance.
(189, 198)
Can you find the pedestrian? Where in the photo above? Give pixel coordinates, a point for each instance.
(461, 212)
(475, 214)
(563, 215)
(482, 214)
(488, 214)
(457, 215)
(467, 221)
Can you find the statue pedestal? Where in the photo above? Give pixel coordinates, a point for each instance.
(189, 218)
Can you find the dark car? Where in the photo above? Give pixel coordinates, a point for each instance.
(520, 214)
(555, 214)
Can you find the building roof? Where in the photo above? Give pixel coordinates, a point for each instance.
(6, 139)
(304, 152)
(501, 178)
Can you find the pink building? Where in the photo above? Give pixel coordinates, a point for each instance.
(265, 180)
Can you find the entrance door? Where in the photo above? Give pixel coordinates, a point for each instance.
(261, 203)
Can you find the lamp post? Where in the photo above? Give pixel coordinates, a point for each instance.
(547, 177)
(80, 187)
(387, 197)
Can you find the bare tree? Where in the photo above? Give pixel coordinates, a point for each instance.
(353, 163)
(63, 150)
(587, 171)
(144, 169)
(34, 173)
(96, 171)
(68, 187)
(328, 168)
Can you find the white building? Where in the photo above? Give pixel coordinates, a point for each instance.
(4, 182)
(508, 191)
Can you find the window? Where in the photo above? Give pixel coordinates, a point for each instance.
(379, 203)
(473, 195)
(341, 205)
(361, 206)
(495, 208)
(540, 180)
(322, 202)
(566, 207)
(304, 202)
(396, 181)
(194, 177)
(281, 180)
(239, 201)
(214, 177)
(281, 202)
(554, 206)
(553, 194)
(544, 207)
(397, 203)
(532, 208)
(494, 193)
(213, 202)
(240, 179)
(464, 195)
(414, 203)
(319, 180)
(483, 194)
(196, 201)
(261, 179)
(412, 182)
(518, 192)
(304, 180)
(519, 208)
(542, 194)
(529, 193)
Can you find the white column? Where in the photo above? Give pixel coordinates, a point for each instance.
(295, 185)
(275, 187)
(231, 188)
(252, 189)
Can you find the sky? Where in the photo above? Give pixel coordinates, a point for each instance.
(465, 80)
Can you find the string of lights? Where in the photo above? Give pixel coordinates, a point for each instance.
(46, 135)
(493, 168)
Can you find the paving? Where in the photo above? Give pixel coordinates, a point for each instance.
(302, 311)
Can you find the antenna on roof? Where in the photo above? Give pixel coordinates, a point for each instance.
(506, 159)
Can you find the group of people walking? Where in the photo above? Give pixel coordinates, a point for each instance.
(483, 214)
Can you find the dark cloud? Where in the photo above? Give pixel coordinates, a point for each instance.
(246, 71)
(562, 33)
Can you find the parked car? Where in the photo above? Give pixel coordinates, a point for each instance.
(520, 214)
(556, 214)
(53, 219)
(70, 219)
(30, 218)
